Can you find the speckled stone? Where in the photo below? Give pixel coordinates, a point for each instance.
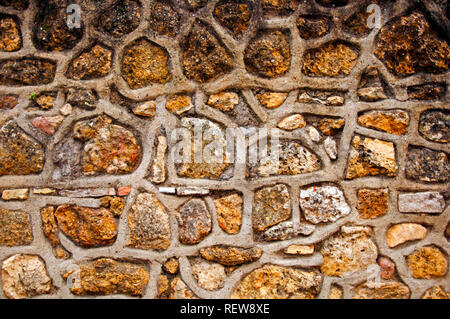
(271, 206)
(92, 63)
(10, 37)
(234, 16)
(393, 122)
(230, 256)
(210, 276)
(436, 292)
(229, 212)
(195, 222)
(434, 125)
(372, 203)
(427, 262)
(382, 290)
(15, 228)
(427, 165)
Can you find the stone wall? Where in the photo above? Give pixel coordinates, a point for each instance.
(94, 204)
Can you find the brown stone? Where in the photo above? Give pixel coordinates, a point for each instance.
(387, 268)
(8, 101)
(174, 288)
(393, 122)
(447, 231)
(332, 3)
(382, 290)
(299, 250)
(171, 266)
(270, 99)
(124, 190)
(27, 71)
(195, 222)
(434, 125)
(427, 165)
(279, 7)
(401, 233)
(436, 292)
(179, 104)
(336, 292)
(357, 24)
(231, 256)
(114, 204)
(372, 203)
(15, 194)
(224, 101)
(87, 227)
(271, 206)
(83, 98)
(147, 109)
(15, 4)
(292, 122)
(312, 27)
(427, 91)
(121, 18)
(235, 16)
(10, 37)
(229, 212)
(427, 262)
(48, 124)
(15, 228)
(330, 126)
(45, 101)
(92, 63)
(49, 225)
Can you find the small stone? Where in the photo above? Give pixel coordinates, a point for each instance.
(148, 222)
(427, 262)
(87, 192)
(15, 194)
(49, 225)
(224, 101)
(387, 268)
(44, 191)
(312, 27)
(10, 38)
(314, 134)
(192, 190)
(66, 109)
(122, 17)
(210, 276)
(299, 250)
(335, 100)
(278, 282)
(8, 102)
(164, 20)
(231, 256)
(292, 122)
(335, 293)
(434, 125)
(436, 292)
(330, 126)
(393, 122)
(92, 63)
(147, 109)
(179, 104)
(381, 290)
(271, 100)
(25, 276)
(83, 98)
(15, 228)
(269, 54)
(27, 71)
(330, 146)
(272, 205)
(424, 202)
(87, 227)
(286, 230)
(124, 190)
(427, 165)
(323, 204)
(115, 204)
(234, 16)
(401, 233)
(372, 203)
(107, 276)
(44, 101)
(48, 124)
(372, 94)
(158, 170)
(171, 266)
(195, 222)
(371, 157)
(229, 212)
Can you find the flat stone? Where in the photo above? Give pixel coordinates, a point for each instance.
(164, 20)
(372, 94)
(158, 169)
(372, 203)
(401, 233)
(330, 146)
(233, 16)
(286, 230)
(387, 268)
(179, 104)
(83, 98)
(271, 205)
(312, 27)
(27, 71)
(427, 165)
(381, 290)
(44, 191)
(87, 192)
(369, 157)
(148, 222)
(25, 276)
(147, 109)
(393, 122)
(299, 250)
(278, 282)
(436, 292)
(229, 212)
(224, 101)
(434, 125)
(48, 124)
(231, 256)
(330, 126)
(87, 227)
(195, 222)
(49, 225)
(427, 262)
(292, 122)
(271, 100)
(122, 17)
(124, 190)
(10, 38)
(15, 228)
(210, 276)
(323, 204)
(426, 92)
(171, 266)
(421, 202)
(91, 64)
(107, 276)
(15, 194)
(192, 190)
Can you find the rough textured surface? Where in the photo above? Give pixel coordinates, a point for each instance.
(230, 256)
(27, 71)
(271, 206)
(195, 222)
(427, 262)
(427, 165)
(383, 290)
(393, 122)
(229, 213)
(91, 64)
(435, 126)
(372, 203)
(15, 228)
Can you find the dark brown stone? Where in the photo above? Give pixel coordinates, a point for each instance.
(333, 3)
(92, 63)
(426, 92)
(164, 20)
(121, 18)
(279, 7)
(83, 98)
(312, 27)
(8, 101)
(235, 16)
(434, 125)
(10, 35)
(27, 71)
(15, 4)
(271, 206)
(426, 165)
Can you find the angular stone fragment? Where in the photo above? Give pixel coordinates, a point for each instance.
(44, 191)
(393, 122)
(436, 292)
(87, 227)
(124, 190)
(370, 157)
(25, 276)
(47, 124)
(330, 146)
(204, 57)
(114, 204)
(164, 20)
(15, 194)
(195, 222)
(381, 290)
(372, 94)
(231, 256)
(171, 266)
(333, 59)
(387, 268)
(330, 126)
(312, 27)
(401, 233)
(314, 134)
(144, 63)
(322, 97)
(372, 203)
(292, 122)
(83, 98)
(279, 7)
(278, 282)
(210, 276)
(10, 37)
(224, 101)
(286, 230)
(147, 109)
(107, 276)
(427, 262)
(44, 101)
(179, 104)
(269, 54)
(323, 204)
(8, 101)
(229, 212)
(434, 125)
(50, 229)
(175, 288)
(235, 16)
(27, 71)
(269, 99)
(92, 63)
(148, 222)
(427, 165)
(271, 206)
(15, 228)
(423, 202)
(121, 18)
(193, 190)
(299, 250)
(20, 154)
(349, 251)
(158, 170)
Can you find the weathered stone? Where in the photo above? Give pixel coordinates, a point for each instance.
(427, 165)
(49, 225)
(44, 191)
(357, 23)
(179, 104)
(192, 190)
(67, 157)
(321, 204)
(87, 227)
(83, 98)
(15, 194)
(148, 222)
(401, 233)
(424, 202)
(269, 54)
(144, 63)
(387, 268)
(336, 292)
(235, 16)
(299, 250)
(195, 222)
(292, 122)
(371, 157)
(107, 276)
(25, 276)
(372, 87)
(121, 18)
(164, 20)
(158, 170)
(436, 292)
(114, 204)
(204, 57)
(15, 228)
(87, 192)
(381, 290)
(8, 101)
(408, 44)
(92, 63)
(427, 262)
(372, 94)
(224, 101)
(427, 91)
(277, 282)
(48, 124)
(333, 59)
(15, 4)
(330, 146)
(20, 154)
(10, 37)
(322, 97)
(175, 288)
(349, 251)
(147, 109)
(124, 190)
(330, 126)
(44, 101)
(314, 134)
(27, 71)
(270, 99)
(210, 276)
(286, 230)
(372, 203)
(229, 212)
(171, 266)
(231, 256)
(434, 125)
(312, 27)
(272, 205)
(279, 7)
(393, 122)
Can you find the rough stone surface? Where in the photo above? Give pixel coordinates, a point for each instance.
(292, 122)
(271, 100)
(401, 233)
(231, 256)
(299, 250)
(235, 16)
(271, 206)
(387, 268)
(382, 290)
(311, 27)
(15, 228)
(435, 126)
(372, 203)
(91, 64)
(164, 20)
(229, 212)
(195, 222)
(286, 230)
(436, 292)
(121, 18)
(330, 126)
(423, 202)
(15, 194)
(210, 276)
(427, 165)
(83, 98)
(224, 101)
(48, 124)
(393, 122)
(427, 262)
(27, 71)
(10, 39)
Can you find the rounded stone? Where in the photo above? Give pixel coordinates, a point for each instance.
(10, 36)
(401, 233)
(427, 262)
(121, 18)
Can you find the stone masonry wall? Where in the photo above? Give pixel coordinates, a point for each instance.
(94, 204)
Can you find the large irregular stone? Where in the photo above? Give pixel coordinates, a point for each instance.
(10, 36)
(121, 18)
(436, 292)
(427, 165)
(393, 122)
(235, 16)
(107, 276)
(149, 223)
(50, 229)
(372, 203)
(434, 125)
(231, 256)
(204, 57)
(349, 251)
(269, 54)
(15, 228)
(271, 206)
(427, 262)
(381, 290)
(179, 104)
(330, 126)
(195, 222)
(27, 71)
(164, 20)
(423, 202)
(371, 157)
(92, 63)
(8, 101)
(277, 282)
(224, 101)
(279, 7)
(20, 154)
(312, 27)
(287, 230)
(144, 63)
(87, 227)
(408, 44)
(333, 59)
(372, 87)
(210, 276)
(229, 213)
(401, 233)
(25, 276)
